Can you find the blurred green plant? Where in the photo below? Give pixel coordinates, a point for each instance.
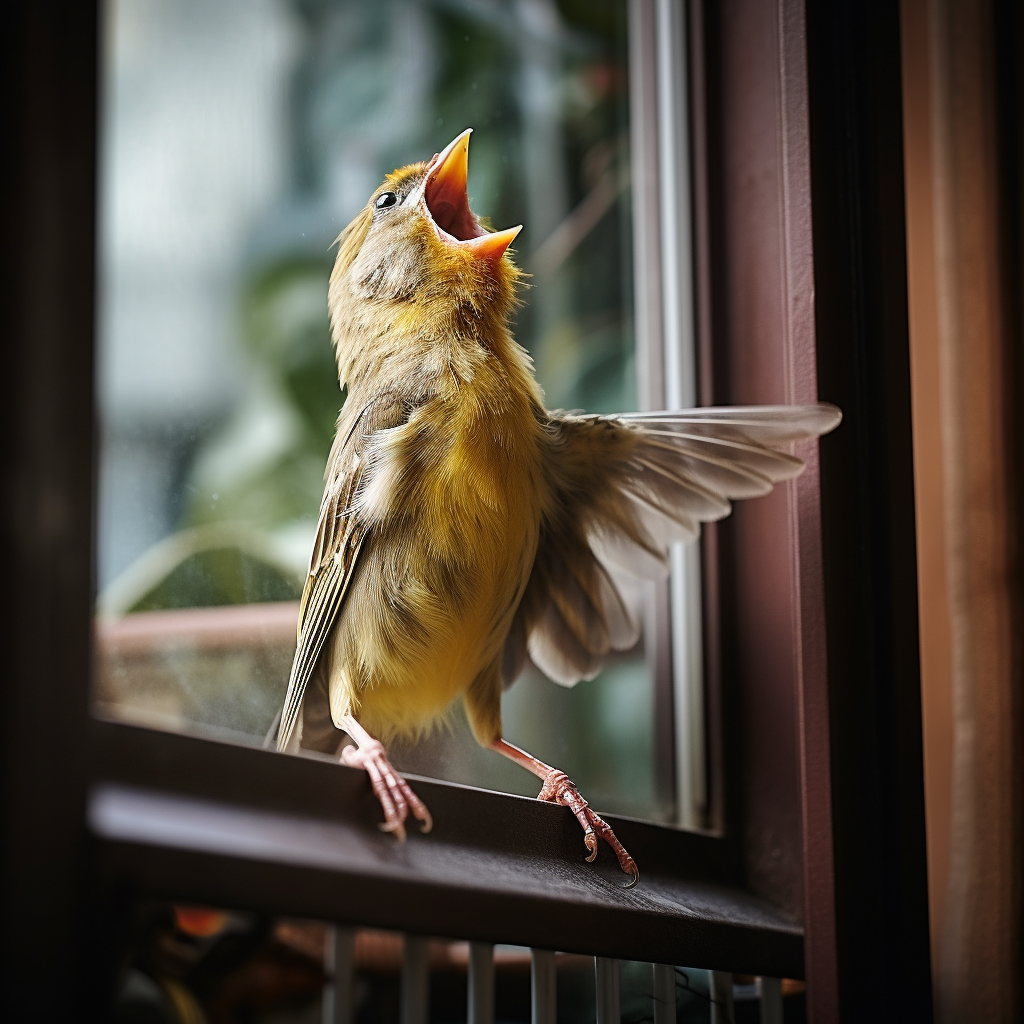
(512, 77)
(378, 83)
(265, 468)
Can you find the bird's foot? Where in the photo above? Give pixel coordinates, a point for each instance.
(394, 793)
(559, 789)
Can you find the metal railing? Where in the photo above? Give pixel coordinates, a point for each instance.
(339, 1004)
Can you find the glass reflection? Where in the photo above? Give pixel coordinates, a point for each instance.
(239, 137)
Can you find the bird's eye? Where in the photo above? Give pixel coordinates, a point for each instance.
(386, 199)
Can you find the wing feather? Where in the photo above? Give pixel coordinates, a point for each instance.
(339, 539)
(623, 488)
(766, 424)
(557, 650)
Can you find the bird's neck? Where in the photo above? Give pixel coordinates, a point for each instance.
(432, 346)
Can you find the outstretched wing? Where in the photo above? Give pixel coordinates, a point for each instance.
(339, 538)
(623, 489)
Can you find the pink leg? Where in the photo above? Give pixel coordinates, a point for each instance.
(559, 789)
(394, 793)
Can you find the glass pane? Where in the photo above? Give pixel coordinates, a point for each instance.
(239, 137)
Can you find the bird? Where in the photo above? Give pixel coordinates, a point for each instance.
(466, 529)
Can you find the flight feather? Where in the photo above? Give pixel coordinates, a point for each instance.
(623, 489)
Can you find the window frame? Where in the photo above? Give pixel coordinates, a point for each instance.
(814, 728)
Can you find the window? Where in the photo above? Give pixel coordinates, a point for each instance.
(237, 141)
(811, 644)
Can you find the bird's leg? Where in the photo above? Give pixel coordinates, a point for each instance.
(394, 793)
(559, 789)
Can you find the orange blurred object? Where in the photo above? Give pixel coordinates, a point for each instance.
(200, 922)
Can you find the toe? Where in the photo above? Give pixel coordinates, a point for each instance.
(422, 815)
(559, 788)
(383, 794)
(416, 806)
(392, 791)
(397, 789)
(632, 870)
(396, 828)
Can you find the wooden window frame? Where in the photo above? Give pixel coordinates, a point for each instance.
(810, 605)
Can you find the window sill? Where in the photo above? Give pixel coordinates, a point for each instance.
(179, 817)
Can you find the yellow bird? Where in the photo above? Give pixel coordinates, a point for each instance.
(465, 527)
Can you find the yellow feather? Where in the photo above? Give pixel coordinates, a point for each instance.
(441, 578)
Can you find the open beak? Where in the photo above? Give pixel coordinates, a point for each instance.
(447, 203)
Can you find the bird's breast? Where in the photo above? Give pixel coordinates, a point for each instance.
(453, 500)
(468, 475)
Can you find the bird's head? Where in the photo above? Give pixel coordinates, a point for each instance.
(417, 254)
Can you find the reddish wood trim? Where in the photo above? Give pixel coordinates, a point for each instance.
(820, 954)
(739, 218)
(801, 281)
(209, 629)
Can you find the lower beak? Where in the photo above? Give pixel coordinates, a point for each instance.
(492, 246)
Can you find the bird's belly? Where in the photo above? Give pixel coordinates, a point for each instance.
(437, 594)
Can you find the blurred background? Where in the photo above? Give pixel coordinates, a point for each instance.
(201, 965)
(239, 137)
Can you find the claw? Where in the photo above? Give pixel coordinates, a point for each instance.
(395, 795)
(559, 789)
(396, 828)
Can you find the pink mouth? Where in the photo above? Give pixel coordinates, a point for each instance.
(448, 205)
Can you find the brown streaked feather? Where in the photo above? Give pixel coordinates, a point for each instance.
(622, 489)
(339, 539)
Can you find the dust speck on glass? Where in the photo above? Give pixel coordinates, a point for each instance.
(239, 137)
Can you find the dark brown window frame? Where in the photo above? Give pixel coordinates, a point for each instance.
(811, 601)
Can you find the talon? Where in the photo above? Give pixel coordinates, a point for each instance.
(395, 795)
(396, 828)
(560, 789)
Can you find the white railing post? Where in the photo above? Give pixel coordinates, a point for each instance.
(664, 994)
(543, 987)
(415, 980)
(721, 998)
(339, 962)
(481, 983)
(606, 974)
(771, 1001)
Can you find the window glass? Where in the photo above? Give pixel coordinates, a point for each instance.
(239, 137)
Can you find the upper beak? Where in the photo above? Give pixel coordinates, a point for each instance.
(450, 168)
(448, 203)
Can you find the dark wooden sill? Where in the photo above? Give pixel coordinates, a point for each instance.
(178, 817)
